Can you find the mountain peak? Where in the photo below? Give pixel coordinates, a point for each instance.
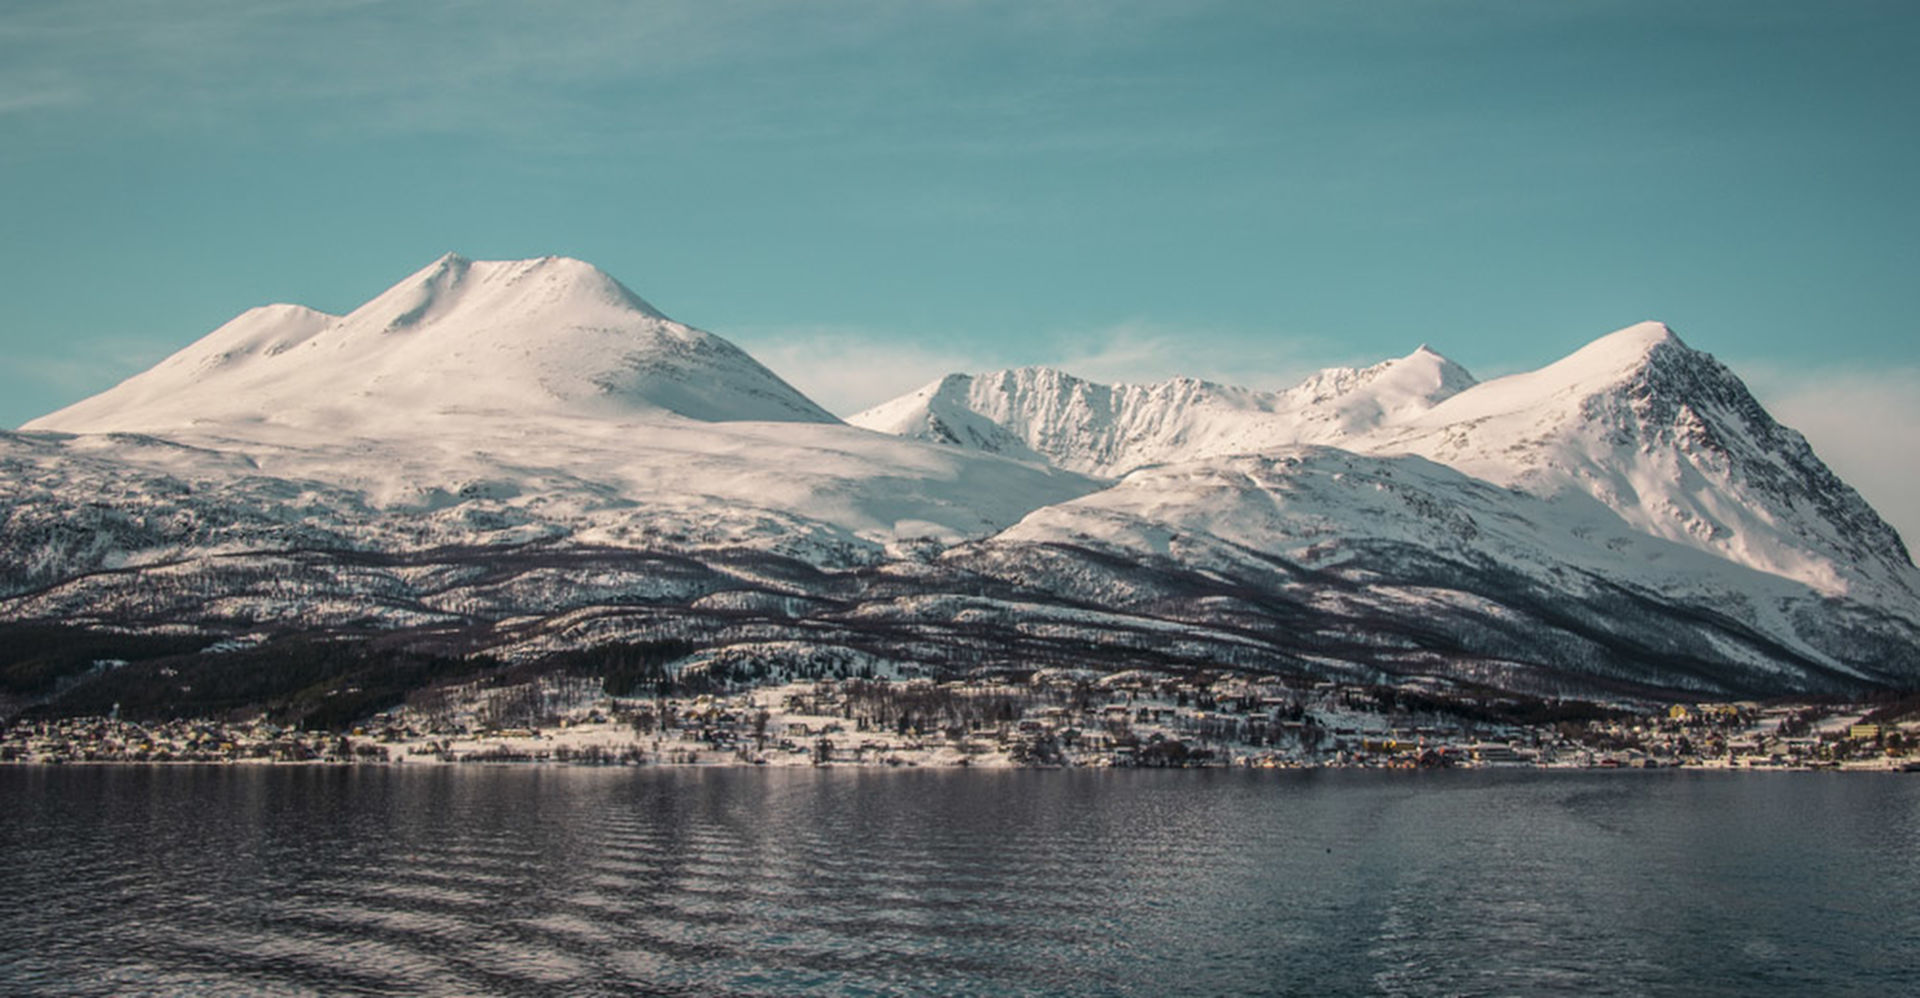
(1646, 331)
(1449, 376)
(1625, 350)
(1394, 388)
(1618, 358)
(551, 283)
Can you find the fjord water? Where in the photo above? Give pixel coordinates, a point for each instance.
(261, 880)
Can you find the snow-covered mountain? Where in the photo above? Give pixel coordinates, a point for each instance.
(491, 401)
(1663, 435)
(461, 337)
(524, 458)
(1109, 430)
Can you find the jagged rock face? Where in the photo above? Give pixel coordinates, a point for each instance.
(520, 457)
(1698, 406)
(1671, 440)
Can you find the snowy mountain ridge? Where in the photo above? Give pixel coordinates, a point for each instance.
(1109, 430)
(1663, 435)
(524, 458)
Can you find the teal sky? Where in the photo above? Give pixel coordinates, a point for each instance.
(867, 193)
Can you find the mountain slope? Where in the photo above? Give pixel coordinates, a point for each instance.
(1422, 566)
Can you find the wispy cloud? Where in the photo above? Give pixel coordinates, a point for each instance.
(14, 103)
(92, 365)
(847, 370)
(1865, 424)
(1139, 352)
(34, 384)
(422, 61)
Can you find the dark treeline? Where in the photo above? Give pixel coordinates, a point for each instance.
(926, 707)
(39, 660)
(294, 681)
(1495, 709)
(626, 668)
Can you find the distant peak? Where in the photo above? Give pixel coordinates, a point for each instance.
(1428, 357)
(945, 387)
(281, 310)
(1032, 375)
(1424, 375)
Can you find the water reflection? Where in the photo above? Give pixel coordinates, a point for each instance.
(244, 880)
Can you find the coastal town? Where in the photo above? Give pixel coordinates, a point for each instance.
(1050, 718)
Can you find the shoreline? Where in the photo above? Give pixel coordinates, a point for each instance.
(997, 767)
(1052, 721)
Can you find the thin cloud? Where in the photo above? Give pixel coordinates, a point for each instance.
(410, 63)
(665, 70)
(1144, 352)
(37, 100)
(847, 370)
(95, 364)
(36, 384)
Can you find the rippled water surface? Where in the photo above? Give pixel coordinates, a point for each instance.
(249, 881)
